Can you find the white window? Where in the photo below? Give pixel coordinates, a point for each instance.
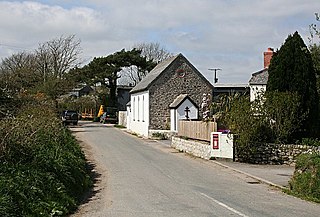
(138, 108)
(143, 108)
(133, 109)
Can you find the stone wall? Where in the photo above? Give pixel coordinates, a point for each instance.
(279, 154)
(193, 147)
(170, 85)
(268, 154)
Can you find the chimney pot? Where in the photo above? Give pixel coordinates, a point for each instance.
(267, 57)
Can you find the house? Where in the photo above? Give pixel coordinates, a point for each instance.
(229, 89)
(150, 100)
(123, 96)
(81, 91)
(258, 81)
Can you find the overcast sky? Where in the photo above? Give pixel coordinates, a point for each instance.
(227, 34)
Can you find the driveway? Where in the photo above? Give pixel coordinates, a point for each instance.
(138, 177)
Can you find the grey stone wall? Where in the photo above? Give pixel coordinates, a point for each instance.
(169, 85)
(279, 154)
(268, 154)
(193, 147)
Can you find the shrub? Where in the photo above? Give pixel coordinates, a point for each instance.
(305, 182)
(311, 141)
(250, 126)
(158, 135)
(42, 168)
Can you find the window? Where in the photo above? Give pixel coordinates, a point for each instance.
(133, 109)
(142, 108)
(138, 107)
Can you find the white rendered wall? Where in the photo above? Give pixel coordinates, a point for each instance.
(255, 90)
(139, 120)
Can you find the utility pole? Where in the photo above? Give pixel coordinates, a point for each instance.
(215, 79)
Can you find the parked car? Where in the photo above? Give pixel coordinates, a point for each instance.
(109, 116)
(69, 116)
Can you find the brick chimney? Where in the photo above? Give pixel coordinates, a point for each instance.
(267, 57)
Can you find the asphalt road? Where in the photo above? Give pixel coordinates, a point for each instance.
(145, 178)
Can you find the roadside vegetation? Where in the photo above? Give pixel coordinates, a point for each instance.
(43, 171)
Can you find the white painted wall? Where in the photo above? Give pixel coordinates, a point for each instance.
(257, 89)
(139, 116)
(225, 146)
(179, 114)
(129, 117)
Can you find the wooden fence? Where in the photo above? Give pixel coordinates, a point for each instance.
(196, 129)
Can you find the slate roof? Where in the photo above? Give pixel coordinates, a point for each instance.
(153, 74)
(147, 81)
(260, 77)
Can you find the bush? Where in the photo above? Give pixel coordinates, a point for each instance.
(42, 168)
(305, 182)
(250, 126)
(311, 141)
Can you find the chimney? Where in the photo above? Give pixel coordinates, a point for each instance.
(267, 57)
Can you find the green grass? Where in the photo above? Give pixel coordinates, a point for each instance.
(119, 126)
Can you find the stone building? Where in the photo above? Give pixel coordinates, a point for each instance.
(150, 99)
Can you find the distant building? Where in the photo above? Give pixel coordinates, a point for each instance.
(258, 81)
(229, 89)
(123, 96)
(81, 91)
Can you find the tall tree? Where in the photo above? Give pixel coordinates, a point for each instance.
(291, 70)
(106, 70)
(55, 59)
(314, 47)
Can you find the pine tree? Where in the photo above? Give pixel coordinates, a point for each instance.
(292, 70)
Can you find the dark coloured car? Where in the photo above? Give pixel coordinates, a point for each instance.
(70, 116)
(109, 116)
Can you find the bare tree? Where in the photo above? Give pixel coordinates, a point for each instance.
(153, 51)
(58, 56)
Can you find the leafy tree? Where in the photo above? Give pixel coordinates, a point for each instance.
(106, 70)
(282, 110)
(291, 70)
(314, 47)
(251, 129)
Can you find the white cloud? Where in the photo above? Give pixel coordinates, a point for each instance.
(228, 34)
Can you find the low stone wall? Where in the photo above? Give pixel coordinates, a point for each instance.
(196, 148)
(279, 154)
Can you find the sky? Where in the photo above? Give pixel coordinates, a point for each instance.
(227, 34)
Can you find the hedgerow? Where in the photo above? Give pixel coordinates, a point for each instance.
(42, 168)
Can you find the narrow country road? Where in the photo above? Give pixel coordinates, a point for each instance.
(145, 178)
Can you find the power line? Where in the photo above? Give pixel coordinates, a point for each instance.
(14, 46)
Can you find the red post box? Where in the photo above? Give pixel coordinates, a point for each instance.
(215, 141)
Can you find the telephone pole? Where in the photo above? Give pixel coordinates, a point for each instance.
(215, 79)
